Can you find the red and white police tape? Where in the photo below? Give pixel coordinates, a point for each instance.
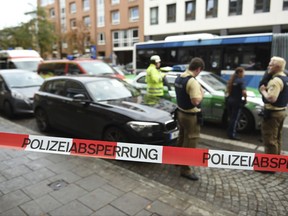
(146, 153)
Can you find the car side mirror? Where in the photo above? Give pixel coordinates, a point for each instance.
(80, 98)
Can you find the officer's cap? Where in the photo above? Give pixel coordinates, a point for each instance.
(155, 58)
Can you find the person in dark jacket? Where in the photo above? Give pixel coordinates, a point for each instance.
(236, 91)
(189, 95)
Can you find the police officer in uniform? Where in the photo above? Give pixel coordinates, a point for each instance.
(154, 77)
(275, 98)
(189, 95)
(236, 90)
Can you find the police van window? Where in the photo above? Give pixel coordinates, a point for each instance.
(59, 69)
(73, 69)
(11, 65)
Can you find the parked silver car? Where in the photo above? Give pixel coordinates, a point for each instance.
(17, 88)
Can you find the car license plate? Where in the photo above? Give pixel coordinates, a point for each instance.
(174, 135)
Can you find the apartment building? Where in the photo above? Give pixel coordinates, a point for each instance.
(110, 26)
(221, 17)
(113, 26)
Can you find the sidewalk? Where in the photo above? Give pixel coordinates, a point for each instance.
(47, 184)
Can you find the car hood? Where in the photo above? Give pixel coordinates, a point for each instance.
(149, 108)
(27, 91)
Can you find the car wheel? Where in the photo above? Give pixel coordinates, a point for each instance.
(42, 120)
(114, 134)
(245, 122)
(8, 109)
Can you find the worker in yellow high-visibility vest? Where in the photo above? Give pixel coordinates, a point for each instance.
(154, 77)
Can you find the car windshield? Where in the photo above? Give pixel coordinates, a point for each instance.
(96, 67)
(27, 65)
(214, 81)
(111, 89)
(22, 80)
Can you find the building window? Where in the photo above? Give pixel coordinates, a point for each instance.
(235, 7)
(101, 39)
(154, 16)
(87, 21)
(171, 13)
(100, 13)
(135, 36)
(115, 17)
(116, 39)
(262, 6)
(125, 38)
(113, 2)
(86, 5)
(73, 7)
(211, 8)
(285, 4)
(73, 23)
(133, 14)
(190, 10)
(52, 12)
(46, 2)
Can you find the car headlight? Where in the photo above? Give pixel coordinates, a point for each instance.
(144, 127)
(19, 96)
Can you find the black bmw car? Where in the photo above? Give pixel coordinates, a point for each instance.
(104, 108)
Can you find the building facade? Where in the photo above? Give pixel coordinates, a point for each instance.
(113, 26)
(172, 17)
(110, 26)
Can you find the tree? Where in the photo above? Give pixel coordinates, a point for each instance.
(78, 38)
(39, 29)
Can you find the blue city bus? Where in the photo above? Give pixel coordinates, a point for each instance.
(222, 54)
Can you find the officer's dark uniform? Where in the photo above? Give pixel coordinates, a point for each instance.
(235, 103)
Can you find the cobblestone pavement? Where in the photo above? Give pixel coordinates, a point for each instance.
(218, 192)
(241, 192)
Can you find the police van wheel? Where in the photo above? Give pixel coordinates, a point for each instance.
(114, 134)
(42, 120)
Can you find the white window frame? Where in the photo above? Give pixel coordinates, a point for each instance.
(115, 17)
(101, 38)
(73, 23)
(154, 11)
(73, 8)
(113, 2)
(134, 14)
(87, 21)
(86, 5)
(52, 12)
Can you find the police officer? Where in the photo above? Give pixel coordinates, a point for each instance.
(275, 98)
(154, 77)
(236, 90)
(189, 95)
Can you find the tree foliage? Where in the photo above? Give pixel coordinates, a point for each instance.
(36, 34)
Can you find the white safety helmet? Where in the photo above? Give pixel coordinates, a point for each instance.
(155, 58)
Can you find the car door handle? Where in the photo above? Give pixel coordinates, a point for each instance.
(218, 104)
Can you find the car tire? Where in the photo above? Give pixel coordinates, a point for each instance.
(246, 121)
(114, 134)
(8, 110)
(42, 120)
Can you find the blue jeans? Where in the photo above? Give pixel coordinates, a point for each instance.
(234, 110)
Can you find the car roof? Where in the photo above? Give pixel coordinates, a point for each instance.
(67, 60)
(10, 71)
(81, 78)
